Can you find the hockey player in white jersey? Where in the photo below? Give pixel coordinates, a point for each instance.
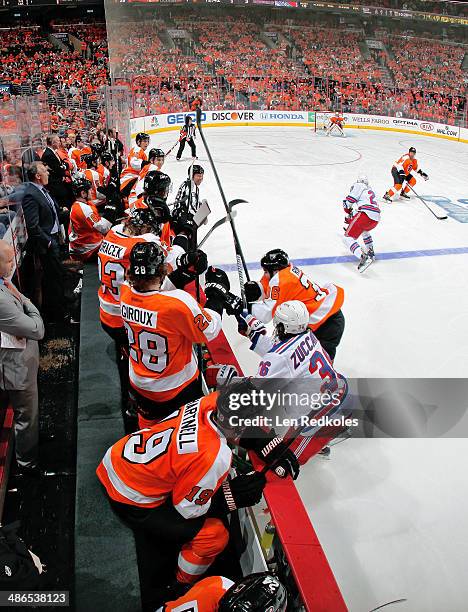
(362, 216)
(293, 352)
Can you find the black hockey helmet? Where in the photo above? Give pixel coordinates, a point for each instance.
(154, 153)
(145, 259)
(412, 150)
(143, 217)
(96, 148)
(106, 157)
(157, 183)
(260, 592)
(159, 208)
(196, 169)
(90, 159)
(141, 136)
(79, 185)
(275, 259)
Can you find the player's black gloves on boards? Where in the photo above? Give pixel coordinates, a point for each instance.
(240, 492)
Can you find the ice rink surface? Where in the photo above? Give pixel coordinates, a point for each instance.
(391, 514)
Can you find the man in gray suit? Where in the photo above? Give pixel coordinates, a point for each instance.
(21, 327)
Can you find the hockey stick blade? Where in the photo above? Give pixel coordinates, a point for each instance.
(421, 199)
(233, 203)
(212, 229)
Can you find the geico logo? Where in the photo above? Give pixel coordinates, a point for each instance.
(427, 127)
(232, 116)
(180, 118)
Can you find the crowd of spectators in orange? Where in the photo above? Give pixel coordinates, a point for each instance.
(280, 65)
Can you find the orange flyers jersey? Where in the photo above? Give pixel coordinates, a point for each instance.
(75, 156)
(292, 284)
(204, 596)
(337, 119)
(113, 260)
(161, 327)
(136, 204)
(406, 164)
(86, 229)
(96, 181)
(104, 174)
(185, 458)
(138, 188)
(135, 158)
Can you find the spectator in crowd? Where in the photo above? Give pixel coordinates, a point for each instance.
(42, 216)
(21, 327)
(53, 159)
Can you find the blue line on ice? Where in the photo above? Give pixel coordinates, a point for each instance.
(320, 261)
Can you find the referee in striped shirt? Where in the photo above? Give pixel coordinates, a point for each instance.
(187, 135)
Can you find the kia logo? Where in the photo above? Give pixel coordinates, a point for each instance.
(427, 127)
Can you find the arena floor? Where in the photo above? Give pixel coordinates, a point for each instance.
(390, 513)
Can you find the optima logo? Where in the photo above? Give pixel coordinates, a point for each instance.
(232, 116)
(427, 127)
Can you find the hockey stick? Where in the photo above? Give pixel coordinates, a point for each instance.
(439, 217)
(240, 260)
(172, 148)
(231, 204)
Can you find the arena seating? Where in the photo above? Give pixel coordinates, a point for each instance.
(230, 64)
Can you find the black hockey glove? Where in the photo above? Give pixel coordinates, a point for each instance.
(233, 304)
(189, 266)
(109, 212)
(240, 492)
(182, 222)
(272, 451)
(424, 175)
(216, 288)
(195, 262)
(253, 291)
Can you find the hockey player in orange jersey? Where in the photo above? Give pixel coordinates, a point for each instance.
(87, 226)
(95, 179)
(163, 323)
(256, 593)
(402, 172)
(113, 258)
(104, 169)
(156, 187)
(156, 159)
(281, 282)
(335, 123)
(170, 481)
(136, 160)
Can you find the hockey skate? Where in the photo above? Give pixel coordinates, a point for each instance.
(387, 198)
(370, 253)
(364, 263)
(404, 195)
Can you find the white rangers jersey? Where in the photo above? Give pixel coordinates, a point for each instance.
(361, 198)
(301, 358)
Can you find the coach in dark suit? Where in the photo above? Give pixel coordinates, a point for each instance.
(21, 327)
(42, 217)
(57, 185)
